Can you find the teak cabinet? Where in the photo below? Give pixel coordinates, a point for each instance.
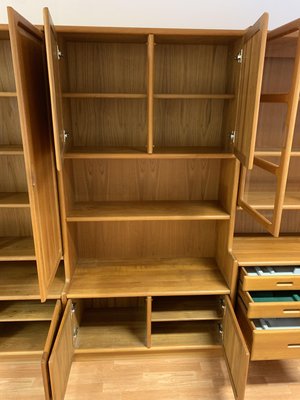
(150, 130)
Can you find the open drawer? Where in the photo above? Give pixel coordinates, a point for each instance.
(98, 326)
(270, 278)
(27, 333)
(271, 304)
(270, 339)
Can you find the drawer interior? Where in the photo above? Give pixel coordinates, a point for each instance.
(273, 271)
(276, 323)
(275, 296)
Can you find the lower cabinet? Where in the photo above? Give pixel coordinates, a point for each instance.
(148, 324)
(27, 333)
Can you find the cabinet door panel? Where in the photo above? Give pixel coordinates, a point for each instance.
(236, 353)
(55, 87)
(32, 91)
(253, 53)
(62, 355)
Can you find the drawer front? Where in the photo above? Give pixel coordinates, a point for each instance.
(280, 282)
(271, 344)
(269, 309)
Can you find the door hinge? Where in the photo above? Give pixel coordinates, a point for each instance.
(75, 336)
(220, 326)
(222, 303)
(59, 53)
(73, 309)
(66, 135)
(239, 57)
(232, 136)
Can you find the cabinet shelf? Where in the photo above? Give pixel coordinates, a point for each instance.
(186, 308)
(274, 97)
(17, 249)
(104, 95)
(14, 200)
(147, 211)
(186, 335)
(191, 96)
(26, 311)
(274, 153)
(86, 152)
(19, 281)
(10, 149)
(164, 277)
(265, 200)
(8, 94)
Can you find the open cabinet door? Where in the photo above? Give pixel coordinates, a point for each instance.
(60, 361)
(251, 57)
(236, 352)
(28, 52)
(53, 56)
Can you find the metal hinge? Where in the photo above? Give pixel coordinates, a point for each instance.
(239, 56)
(75, 336)
(232, 136)
(73, 309)
(221, 329)
(222, 303)
(59, 53)
(65, 135)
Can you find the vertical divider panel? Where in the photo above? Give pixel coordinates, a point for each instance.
(150, 85)
(149, 320)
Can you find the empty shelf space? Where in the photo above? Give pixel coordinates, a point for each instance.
(111, 329)
(261, 200)
(186, 308)
(204, 96)
(19, 281)
(147, 211)
(104, 95)
(16, 248)
(23, 337)
(147, 278)
(86, 152)
(196, 334)
(10, 149)
(265, 250)
(14, 199)
(26, 311)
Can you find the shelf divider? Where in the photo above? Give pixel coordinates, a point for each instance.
(150, 90)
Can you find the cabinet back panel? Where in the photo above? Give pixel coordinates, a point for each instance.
(190, 68)
(12, 174)
(7, 80)
(106, 67)
(246, 224)
(271, 126)
(138, 180)
(15, 222)
(154, 239)
(10, 131)
(293, 182)
(109, 122)
(188, 122)
(296, 141)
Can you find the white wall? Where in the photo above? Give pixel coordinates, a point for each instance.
(235, 14)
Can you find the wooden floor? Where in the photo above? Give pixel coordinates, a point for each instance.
(180, 376)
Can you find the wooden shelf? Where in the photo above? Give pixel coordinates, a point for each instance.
(16, 248)
(147, 211)
(12, 311)
(186, 335)
(14, 200)
(104, 95)
(23, 338)
(191, 96)
(11, 150)
(274, 153)
(111, 329)
(274, 97)
(81, 152)
(265, 200)
(267, 250)
(8, 94)
(165, 277)
(186, 308)
(19, 281)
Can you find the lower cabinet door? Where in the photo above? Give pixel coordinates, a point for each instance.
(27, 332)
(236, 352)
(270, 338)
(61, 358)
